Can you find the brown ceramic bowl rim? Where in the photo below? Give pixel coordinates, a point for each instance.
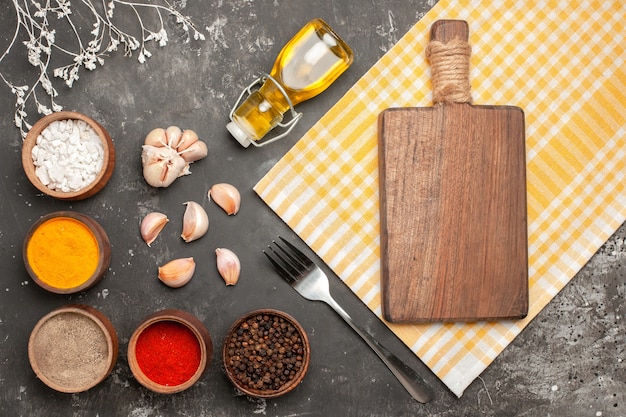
(190, 322)
(95, 316)
(104, 251)
(288, 386)
(105, 172)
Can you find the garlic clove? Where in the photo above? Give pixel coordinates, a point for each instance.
(226, 196)
(188, 138)
(151, 226)
(228, 265)
(178, 272)
(195, 222)
(156, 137)
(194, 152)
(161, 166)
(173, 134)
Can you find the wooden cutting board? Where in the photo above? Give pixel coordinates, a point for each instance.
(453, 208)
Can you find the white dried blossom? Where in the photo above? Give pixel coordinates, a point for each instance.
(38, 19)
(113, 45)
(42, 109)
(47, 86)
(162, 37)
(110, 8)
(198, 36)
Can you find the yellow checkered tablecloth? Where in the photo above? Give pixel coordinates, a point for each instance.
(564, 63)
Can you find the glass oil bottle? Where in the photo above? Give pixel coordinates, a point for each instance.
(306, 66)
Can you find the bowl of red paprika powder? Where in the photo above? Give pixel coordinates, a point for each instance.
(66, 252)
(169, 351)
(266, 353)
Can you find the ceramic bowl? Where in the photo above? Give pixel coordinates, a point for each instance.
(73, 348)
(101, 178)
(142, 341)
(36, 262)
(275, 359)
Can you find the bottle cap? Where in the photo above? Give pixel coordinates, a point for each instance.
(239, 134)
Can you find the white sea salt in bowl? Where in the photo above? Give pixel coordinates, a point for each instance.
(68, 156)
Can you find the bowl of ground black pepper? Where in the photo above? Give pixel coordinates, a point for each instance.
(68, 155)
(266, 353)
(169, 351)
(73, 348)
(66, 252)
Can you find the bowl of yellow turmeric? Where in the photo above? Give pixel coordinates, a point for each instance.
(66, 252)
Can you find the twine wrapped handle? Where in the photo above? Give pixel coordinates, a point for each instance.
(449, 54)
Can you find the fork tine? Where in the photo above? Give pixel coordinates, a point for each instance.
(296, 255)
(286, 264)
(289, 258)
(279, 267)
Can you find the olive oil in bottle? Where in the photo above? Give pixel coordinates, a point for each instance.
(305, 67)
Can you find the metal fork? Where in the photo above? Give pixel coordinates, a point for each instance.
(312, 283)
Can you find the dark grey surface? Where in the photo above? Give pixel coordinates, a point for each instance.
(568, 362)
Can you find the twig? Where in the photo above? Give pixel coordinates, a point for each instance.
(36, 18)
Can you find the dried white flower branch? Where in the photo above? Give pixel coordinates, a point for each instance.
(39, 20)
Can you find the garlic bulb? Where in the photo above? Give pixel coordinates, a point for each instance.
(167, 153)
(228, 265)
(178, 272)
(195, 222)
(151, 226)
(226, 196)
(161, 166)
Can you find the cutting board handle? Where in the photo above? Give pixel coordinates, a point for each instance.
(449, 55)
(446, 30)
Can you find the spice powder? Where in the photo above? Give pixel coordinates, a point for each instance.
(63, 252)
(71, 350)
(168, 353)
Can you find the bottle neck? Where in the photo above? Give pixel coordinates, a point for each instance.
(256, 116)
(272, 93)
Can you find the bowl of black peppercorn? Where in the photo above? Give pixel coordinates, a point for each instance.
(266, 353)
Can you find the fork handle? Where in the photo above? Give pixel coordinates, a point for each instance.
(409, 379)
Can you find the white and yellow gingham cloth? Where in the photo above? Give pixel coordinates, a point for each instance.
(563, 62)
